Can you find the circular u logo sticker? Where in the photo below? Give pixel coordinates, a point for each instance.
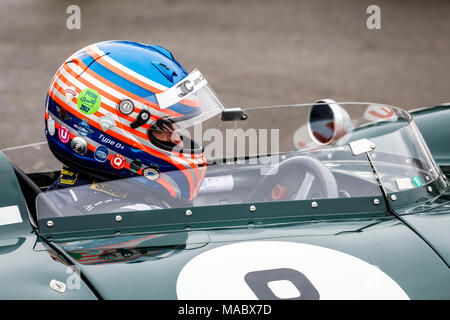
(88, 101)
(63, 134)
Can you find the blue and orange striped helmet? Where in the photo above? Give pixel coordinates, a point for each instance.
(106, 103)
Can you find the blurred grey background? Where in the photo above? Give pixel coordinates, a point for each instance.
(252, 52)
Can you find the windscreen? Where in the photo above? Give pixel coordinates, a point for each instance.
(280, 129)
(403, 160)
(296, 176)
(273, 154)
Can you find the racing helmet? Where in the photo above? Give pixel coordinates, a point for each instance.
(116, 109)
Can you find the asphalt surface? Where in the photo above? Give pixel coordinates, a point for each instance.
(252, 52)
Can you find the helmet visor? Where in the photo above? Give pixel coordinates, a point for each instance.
(190, 101)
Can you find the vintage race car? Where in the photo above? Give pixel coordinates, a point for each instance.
(317, 201)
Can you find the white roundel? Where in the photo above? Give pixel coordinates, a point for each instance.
(282, 270)
(301, 138)
(376, 112)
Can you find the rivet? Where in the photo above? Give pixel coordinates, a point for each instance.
(376, 202)
(430, 189)
(252, 208)
(50, 223)
(314, 204)
(118, 218)
(188, 212)
(393, 197)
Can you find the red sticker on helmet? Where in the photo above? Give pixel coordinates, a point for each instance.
(118, 161)
(63, 134)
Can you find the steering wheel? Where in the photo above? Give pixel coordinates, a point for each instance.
(311, 169)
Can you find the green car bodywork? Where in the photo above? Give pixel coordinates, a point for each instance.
(433, 124)
(141, 257)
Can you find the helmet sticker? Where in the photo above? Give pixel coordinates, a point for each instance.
(118, 161)
(192, 83)
(89, 101)
(83, 128)
(51, 126)
(151, 173)
(70, 93)
(101, 154)
(135, 165)
(107, 122)
(63, 134)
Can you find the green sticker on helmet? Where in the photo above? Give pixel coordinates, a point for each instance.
(88, 101)
(417, 182)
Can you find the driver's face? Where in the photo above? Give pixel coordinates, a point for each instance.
(168, 136)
